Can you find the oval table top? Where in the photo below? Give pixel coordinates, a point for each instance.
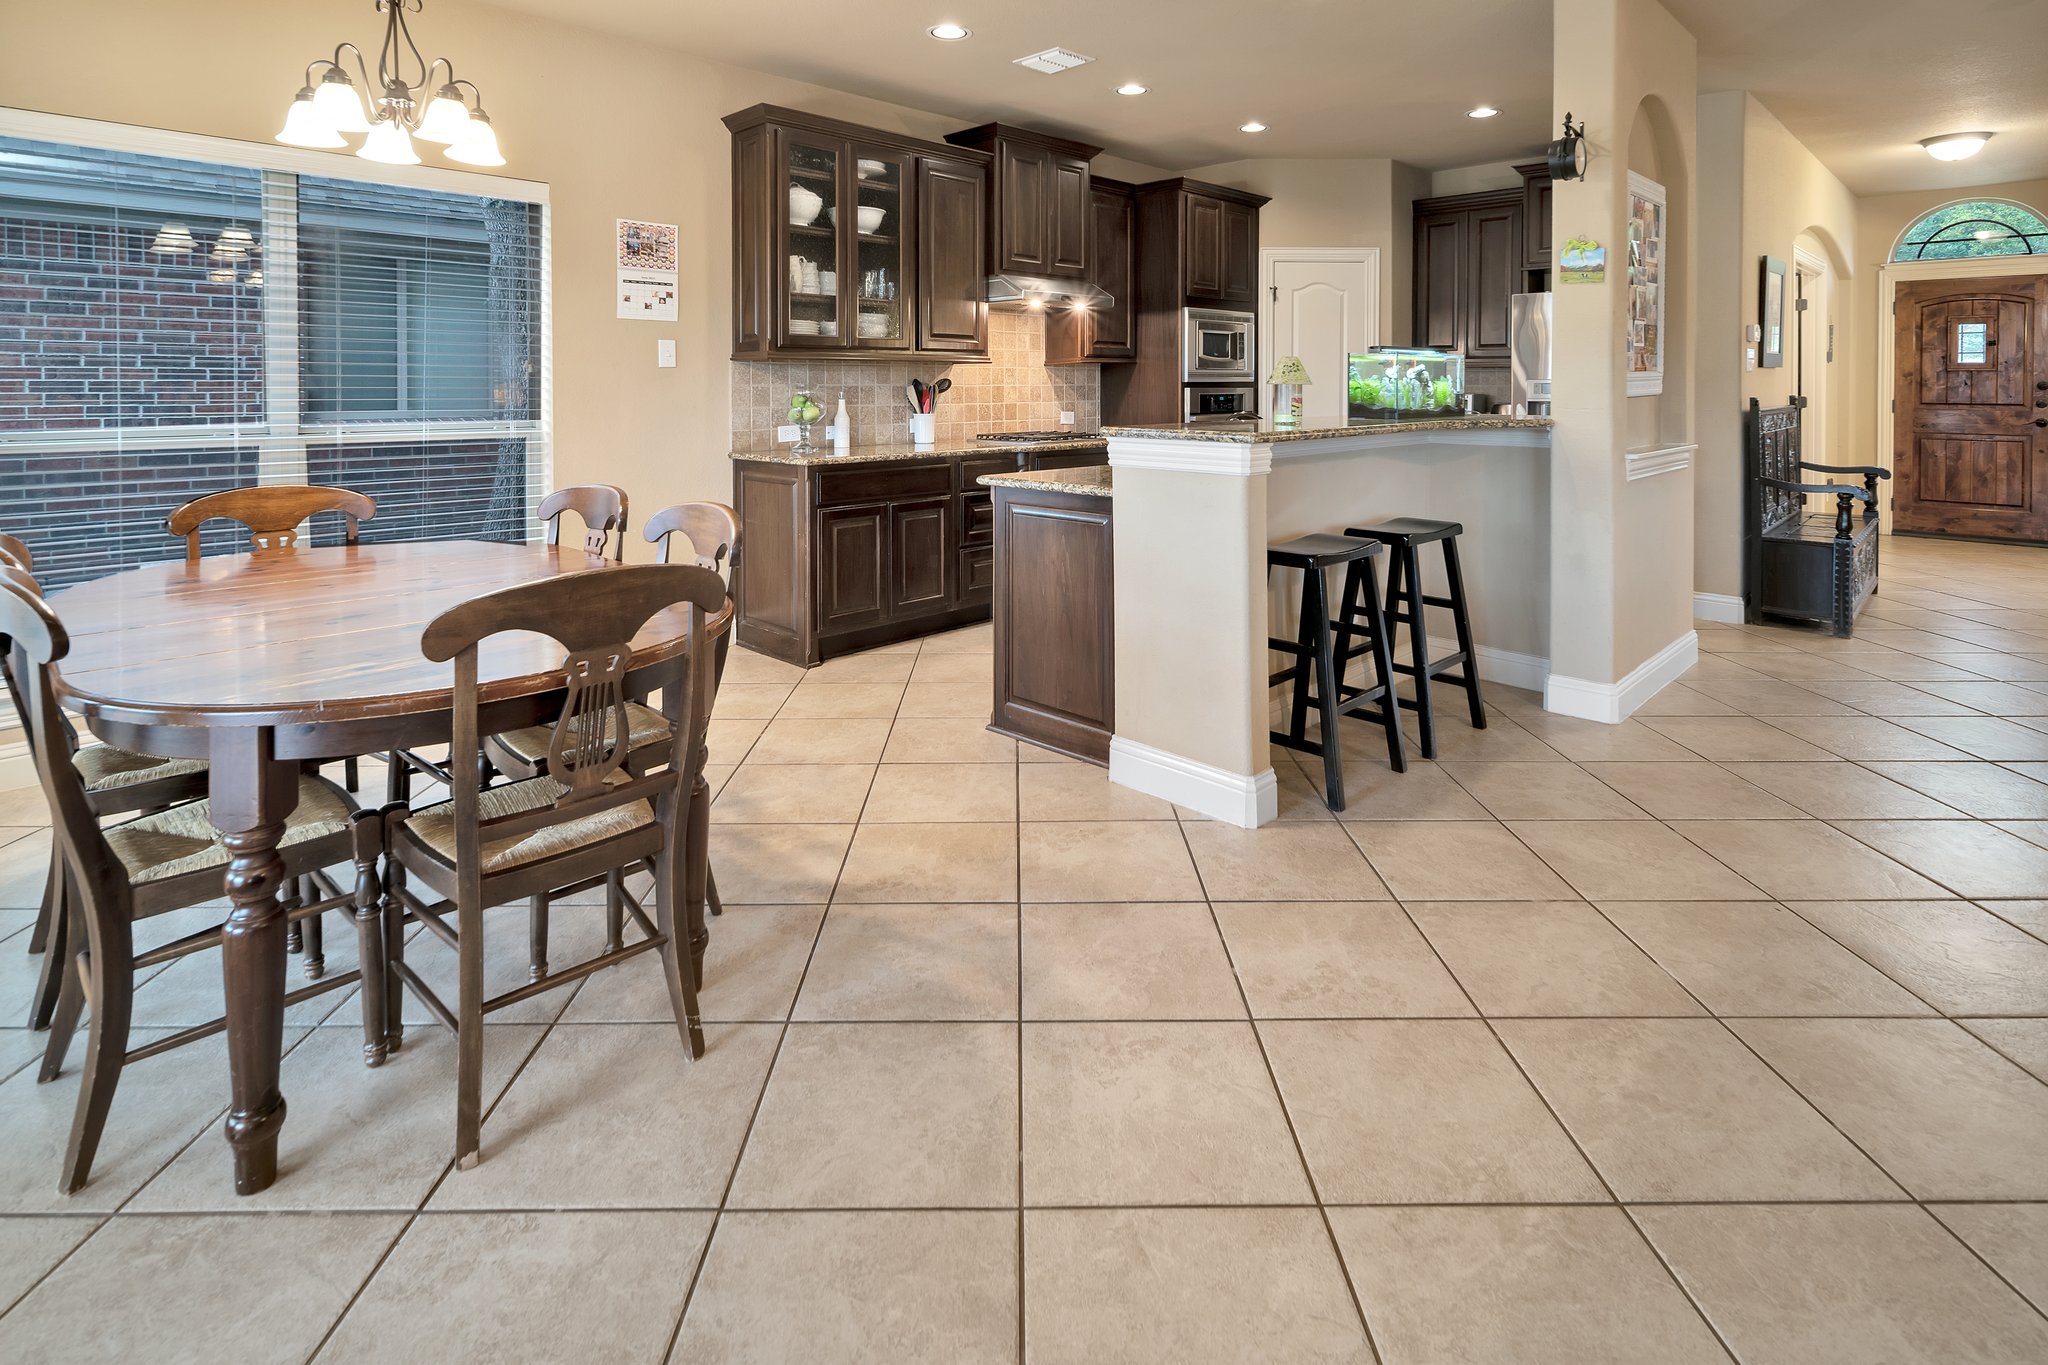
(305, 637)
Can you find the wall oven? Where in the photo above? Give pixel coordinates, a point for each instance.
(1220, 402)
(1218, 347)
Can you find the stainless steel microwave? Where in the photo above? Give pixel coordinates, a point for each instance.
(1217, 347)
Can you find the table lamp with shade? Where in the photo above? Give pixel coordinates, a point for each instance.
(1290, 375)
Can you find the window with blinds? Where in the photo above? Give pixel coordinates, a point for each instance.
(170, 327)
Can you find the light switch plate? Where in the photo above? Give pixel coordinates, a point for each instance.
(1749, 357)
(665, 354)
(788, 434)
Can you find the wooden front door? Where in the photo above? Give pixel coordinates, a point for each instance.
(1970, 415)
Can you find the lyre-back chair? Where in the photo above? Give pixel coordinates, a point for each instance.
(273, 512)
(591, 816)
(171, 860)
(602, 509)
(116, 782)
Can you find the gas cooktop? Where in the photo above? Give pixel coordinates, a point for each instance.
(1024, 436)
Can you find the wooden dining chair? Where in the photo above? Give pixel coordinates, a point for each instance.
(711, 532)
(14, 552)
(273, 512)
(590, 816)
(172, 860)
(115, 781)
(602, 509)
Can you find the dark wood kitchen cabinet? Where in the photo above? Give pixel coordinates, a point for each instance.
(1055, 615)
(1468, 263)
(843, 556)
(854, 243)
(1536, 201)
(1105, 332)
(1038, 218)
(1219, 242)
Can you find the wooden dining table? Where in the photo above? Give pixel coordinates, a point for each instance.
(262, 662)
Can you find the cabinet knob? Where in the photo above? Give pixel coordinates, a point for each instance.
(2041, 421)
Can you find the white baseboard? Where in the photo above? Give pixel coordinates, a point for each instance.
(1717, 606)
(1234, 798)
(1503, 666)
(1616, 701)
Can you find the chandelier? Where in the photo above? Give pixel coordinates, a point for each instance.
(400, 109)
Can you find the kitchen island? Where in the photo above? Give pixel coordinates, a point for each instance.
(1055, 645)
(1194, 604)
(846, 551)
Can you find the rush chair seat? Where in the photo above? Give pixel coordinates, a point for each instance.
(591, 816)
(711, 531)
(116, 782)
(171, 860)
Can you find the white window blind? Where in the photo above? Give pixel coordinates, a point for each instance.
(171, 327)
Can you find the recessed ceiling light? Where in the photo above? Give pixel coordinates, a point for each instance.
(1130, 88)
(1955, 146)
(949, 33)
(1483, 111)
(1253, 127)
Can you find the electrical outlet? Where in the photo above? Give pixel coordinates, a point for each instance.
(665, 354)
(1066, 419)
(788, 434)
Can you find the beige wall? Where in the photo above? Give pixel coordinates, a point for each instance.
(1621, 567)
(1492, 175)
(1761, 191)
(619, 130)
(1879, 221)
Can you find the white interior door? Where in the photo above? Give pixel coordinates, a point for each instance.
(1321, 304)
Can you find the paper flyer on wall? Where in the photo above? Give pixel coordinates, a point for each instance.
(647, 271)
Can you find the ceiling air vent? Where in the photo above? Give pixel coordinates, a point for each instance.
(1054, 60)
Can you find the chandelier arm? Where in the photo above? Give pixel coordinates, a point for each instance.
(397, 31)
(471, 85)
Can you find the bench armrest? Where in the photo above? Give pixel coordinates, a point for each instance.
(1820, 490)
(1865, 469)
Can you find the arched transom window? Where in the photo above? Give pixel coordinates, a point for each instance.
(1974, 227)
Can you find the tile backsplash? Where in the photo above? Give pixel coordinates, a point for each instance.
(1015, 391)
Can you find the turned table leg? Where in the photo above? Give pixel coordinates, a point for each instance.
(252, 794)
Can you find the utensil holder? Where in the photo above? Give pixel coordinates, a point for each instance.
(924, 430)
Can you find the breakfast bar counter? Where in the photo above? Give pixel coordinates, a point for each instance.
(1194, 603)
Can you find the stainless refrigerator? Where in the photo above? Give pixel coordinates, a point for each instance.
(1529, 343)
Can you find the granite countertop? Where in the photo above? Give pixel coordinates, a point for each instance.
(1090, 481)
(825, 455)
(1263, 432)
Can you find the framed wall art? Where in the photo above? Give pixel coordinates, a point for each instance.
(1647, 266)
(1771, 314)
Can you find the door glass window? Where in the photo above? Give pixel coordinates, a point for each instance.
(1971, 342)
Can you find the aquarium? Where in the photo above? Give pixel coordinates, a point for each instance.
(1402, 381)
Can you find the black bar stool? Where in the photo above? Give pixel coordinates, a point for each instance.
(1325, 646)
(1405, 603)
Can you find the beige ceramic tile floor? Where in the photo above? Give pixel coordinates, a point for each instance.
(1719, 1035)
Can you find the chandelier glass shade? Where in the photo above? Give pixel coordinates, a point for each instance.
(411, 98)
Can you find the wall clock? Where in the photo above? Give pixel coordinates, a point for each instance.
(1567, 155)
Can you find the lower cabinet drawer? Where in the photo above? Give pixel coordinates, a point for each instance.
(977, 517)
(977, 574)
(884, 482)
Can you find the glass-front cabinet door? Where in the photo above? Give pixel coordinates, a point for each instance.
(811, 313)
(878, 287)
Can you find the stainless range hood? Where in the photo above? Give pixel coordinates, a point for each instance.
(1027, 291)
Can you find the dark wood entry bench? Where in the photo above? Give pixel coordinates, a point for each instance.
(1796, 564)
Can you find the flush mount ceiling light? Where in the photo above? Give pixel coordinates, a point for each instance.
(1955, 146)
(1130, 88)
(949, 33)
(1253, 127)
(402, 106)
(1053, 60)
(1483, 111)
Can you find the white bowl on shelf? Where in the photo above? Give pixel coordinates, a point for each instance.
(866, 219)
(804, 206)
(870, 169)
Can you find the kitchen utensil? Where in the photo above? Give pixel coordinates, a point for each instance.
(942, 386)
(923, 430)
(910, 394)
(804, 206)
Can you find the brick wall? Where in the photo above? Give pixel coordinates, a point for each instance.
(97, 330)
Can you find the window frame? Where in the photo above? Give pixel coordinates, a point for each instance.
(2032, 251)
(282, 438)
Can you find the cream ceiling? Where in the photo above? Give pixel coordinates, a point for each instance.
(1859, 81)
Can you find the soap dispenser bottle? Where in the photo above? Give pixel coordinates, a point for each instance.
(842, 429)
